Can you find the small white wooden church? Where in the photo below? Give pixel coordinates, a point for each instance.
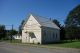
(39, 30)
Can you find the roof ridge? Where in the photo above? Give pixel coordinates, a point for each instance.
(39, 16)
(42, 21)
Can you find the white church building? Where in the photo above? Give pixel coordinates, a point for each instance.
(39, 30)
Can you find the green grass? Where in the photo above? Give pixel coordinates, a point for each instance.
(14, 41)
(74, 44)
(71, 45)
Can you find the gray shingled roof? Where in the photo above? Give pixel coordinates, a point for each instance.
(44, 21)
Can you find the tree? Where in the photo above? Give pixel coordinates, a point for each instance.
(13, 32)
(2, 32)
(62, 31)
(72, 24)
(20, 27)
(10, 33)
(57, 22)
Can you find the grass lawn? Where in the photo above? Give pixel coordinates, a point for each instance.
(74, 44)
(13, 41)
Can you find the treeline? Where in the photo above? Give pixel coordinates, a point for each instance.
(2, 31)
(6, 34)
(72, 24)
(71, 28)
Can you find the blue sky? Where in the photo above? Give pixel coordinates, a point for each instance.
(14, 11)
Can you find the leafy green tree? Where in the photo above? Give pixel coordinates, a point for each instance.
(57, 22)
(10, 33)
(20, 27)
(2, 32)
(72, 24)
(62, 31)
(13, 32)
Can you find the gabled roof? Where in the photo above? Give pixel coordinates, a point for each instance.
(43, 21)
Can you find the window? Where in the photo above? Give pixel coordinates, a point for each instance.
(56, 35)
(44, 33)
(53, 34)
